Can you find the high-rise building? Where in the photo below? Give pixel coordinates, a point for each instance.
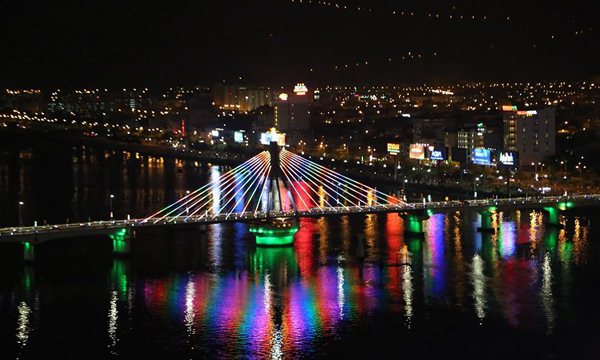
(479, 135)
(292, 111)
(241, 98)
(470, 138)
(531, 133)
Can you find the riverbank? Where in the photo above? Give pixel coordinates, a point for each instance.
(27, 137)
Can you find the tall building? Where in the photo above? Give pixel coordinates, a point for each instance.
(531, 133)
(292, 111)
(241, 98)
(470, 138)
(479, 135)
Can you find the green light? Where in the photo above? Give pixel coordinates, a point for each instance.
(275, 260)
(119, 277)
(120, 240)
(413, 224)
(553, 214)
(565, 205)
(28, 278)
(430, 212)
(414, 246)
(551, 239)
(28, 251)
(566, 250)
(274, 236)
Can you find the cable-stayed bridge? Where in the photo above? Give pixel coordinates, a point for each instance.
(277, 185)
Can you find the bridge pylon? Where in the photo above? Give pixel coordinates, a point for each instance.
(413, 224)
(276, 231)
(276, 182)
(122, 241)
(487, 217)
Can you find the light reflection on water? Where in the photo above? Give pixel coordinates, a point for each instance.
(286, 302)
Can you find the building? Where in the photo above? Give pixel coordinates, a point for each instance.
(470, 138)
(531, 133)
(242, 98)
(292, 111)
(479, 136)
(429, 131)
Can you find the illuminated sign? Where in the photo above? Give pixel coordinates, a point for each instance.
(417, 151)
(393, 149)
(238, 137)
(509, 108)
(527, 112)
(437, 154)
(214, 133)
(300, 89)
(283, 97)
(482, 156)
(507, 158)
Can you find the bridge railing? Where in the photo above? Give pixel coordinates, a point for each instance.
(207, 218)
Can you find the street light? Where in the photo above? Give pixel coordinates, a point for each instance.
(110, 198)
(20, 213)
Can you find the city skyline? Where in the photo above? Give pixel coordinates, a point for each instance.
(277, 42)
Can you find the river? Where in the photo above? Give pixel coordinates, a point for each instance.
(529, 290)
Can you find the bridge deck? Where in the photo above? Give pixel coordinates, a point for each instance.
(47, 232)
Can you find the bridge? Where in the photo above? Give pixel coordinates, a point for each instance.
(272, 189)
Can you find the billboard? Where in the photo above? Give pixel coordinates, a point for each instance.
(437, 154)
(527, 112)
(267, 137)
(238, 137)
(508, 158)
(417, 151)
(393, 149)
(300, 89)
(482, 156)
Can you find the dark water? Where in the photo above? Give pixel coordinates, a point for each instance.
(528, 291)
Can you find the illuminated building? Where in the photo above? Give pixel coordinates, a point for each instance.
(481, 135)
(531, 133)
(291, 111)
(469, 139)
(241, 98)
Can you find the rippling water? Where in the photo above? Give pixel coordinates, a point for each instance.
(528, 290)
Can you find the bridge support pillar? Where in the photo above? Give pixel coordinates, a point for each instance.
(553, 216)
(122, 241)
(413, 225)
(486, 221)
(28, 252)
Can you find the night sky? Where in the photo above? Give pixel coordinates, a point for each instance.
(277, 42)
